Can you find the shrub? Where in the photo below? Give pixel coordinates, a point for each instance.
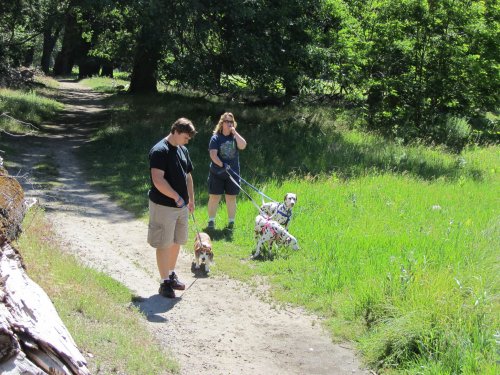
(457, 132)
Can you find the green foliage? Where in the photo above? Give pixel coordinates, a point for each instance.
(408, 65)
(429, 60)
(265, 43)
(338, 51)
(457, 132)
(19, 20)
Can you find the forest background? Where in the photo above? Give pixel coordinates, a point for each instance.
(415, 69)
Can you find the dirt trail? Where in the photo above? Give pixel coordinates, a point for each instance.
(216, 326)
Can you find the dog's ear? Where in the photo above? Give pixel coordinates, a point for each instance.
(197, 246)
(284, 199)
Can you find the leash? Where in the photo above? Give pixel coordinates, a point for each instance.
(229, 170)
(243, 190)
(249, 184)
(196, 227)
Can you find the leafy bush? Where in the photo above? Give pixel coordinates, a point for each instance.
(457, 132)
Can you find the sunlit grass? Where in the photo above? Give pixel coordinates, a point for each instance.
(106, 84)
(25, 110)
(47, 81)
(404, 266)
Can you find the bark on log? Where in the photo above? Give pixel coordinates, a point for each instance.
(33, 339)
(12, 206)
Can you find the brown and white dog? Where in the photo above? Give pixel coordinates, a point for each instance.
(270, 231)
(203, 251)
(280, 212)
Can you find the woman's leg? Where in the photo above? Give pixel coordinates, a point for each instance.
(213, 204)
(231, 207)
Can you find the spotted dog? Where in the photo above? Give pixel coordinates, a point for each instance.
(203, 251)
(270, 231)
(280, 212)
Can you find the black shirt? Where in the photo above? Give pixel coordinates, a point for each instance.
(176, 164)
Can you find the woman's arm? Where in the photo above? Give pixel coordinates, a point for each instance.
(240, 141)
(215, 158)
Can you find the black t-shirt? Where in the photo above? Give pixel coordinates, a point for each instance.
(176, 164)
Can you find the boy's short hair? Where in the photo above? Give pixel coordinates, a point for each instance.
(183, 125)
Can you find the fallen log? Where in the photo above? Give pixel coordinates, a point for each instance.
(12, 207)
(33, 339)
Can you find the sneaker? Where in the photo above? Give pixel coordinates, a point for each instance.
(166, 290)
(230, 225)
(211, 225)
(175, 283)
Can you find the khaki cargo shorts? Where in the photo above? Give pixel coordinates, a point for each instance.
(167, 225)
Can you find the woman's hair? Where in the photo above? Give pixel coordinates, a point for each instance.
(218, 127)
(183, 125)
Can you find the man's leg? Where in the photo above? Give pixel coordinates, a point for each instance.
(166, 259)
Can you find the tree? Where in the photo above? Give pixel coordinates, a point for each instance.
(339, 51)
(263, 44)
(53, 20)
(19, 26)
(65, 59)
(153, 30)
(428, 61)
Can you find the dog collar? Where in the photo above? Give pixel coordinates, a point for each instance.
(288, 215)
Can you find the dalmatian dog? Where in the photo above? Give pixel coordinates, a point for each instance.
(270, 231)
(280, 212)
(203, 251)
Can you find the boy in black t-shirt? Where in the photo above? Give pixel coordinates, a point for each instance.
(171, 199)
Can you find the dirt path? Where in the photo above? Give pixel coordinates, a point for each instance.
(216, 326)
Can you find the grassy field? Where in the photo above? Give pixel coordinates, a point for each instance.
(399, 244)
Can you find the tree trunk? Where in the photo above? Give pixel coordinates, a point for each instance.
(65, 59)
(49, 42)
(28, 57)
(143, 78)
(107, 69)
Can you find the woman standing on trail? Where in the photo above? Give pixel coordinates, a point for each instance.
(223, 149)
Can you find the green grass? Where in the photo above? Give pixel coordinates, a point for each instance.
(398, 242)
(94, 307)
(107, 85)
(28, 107)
